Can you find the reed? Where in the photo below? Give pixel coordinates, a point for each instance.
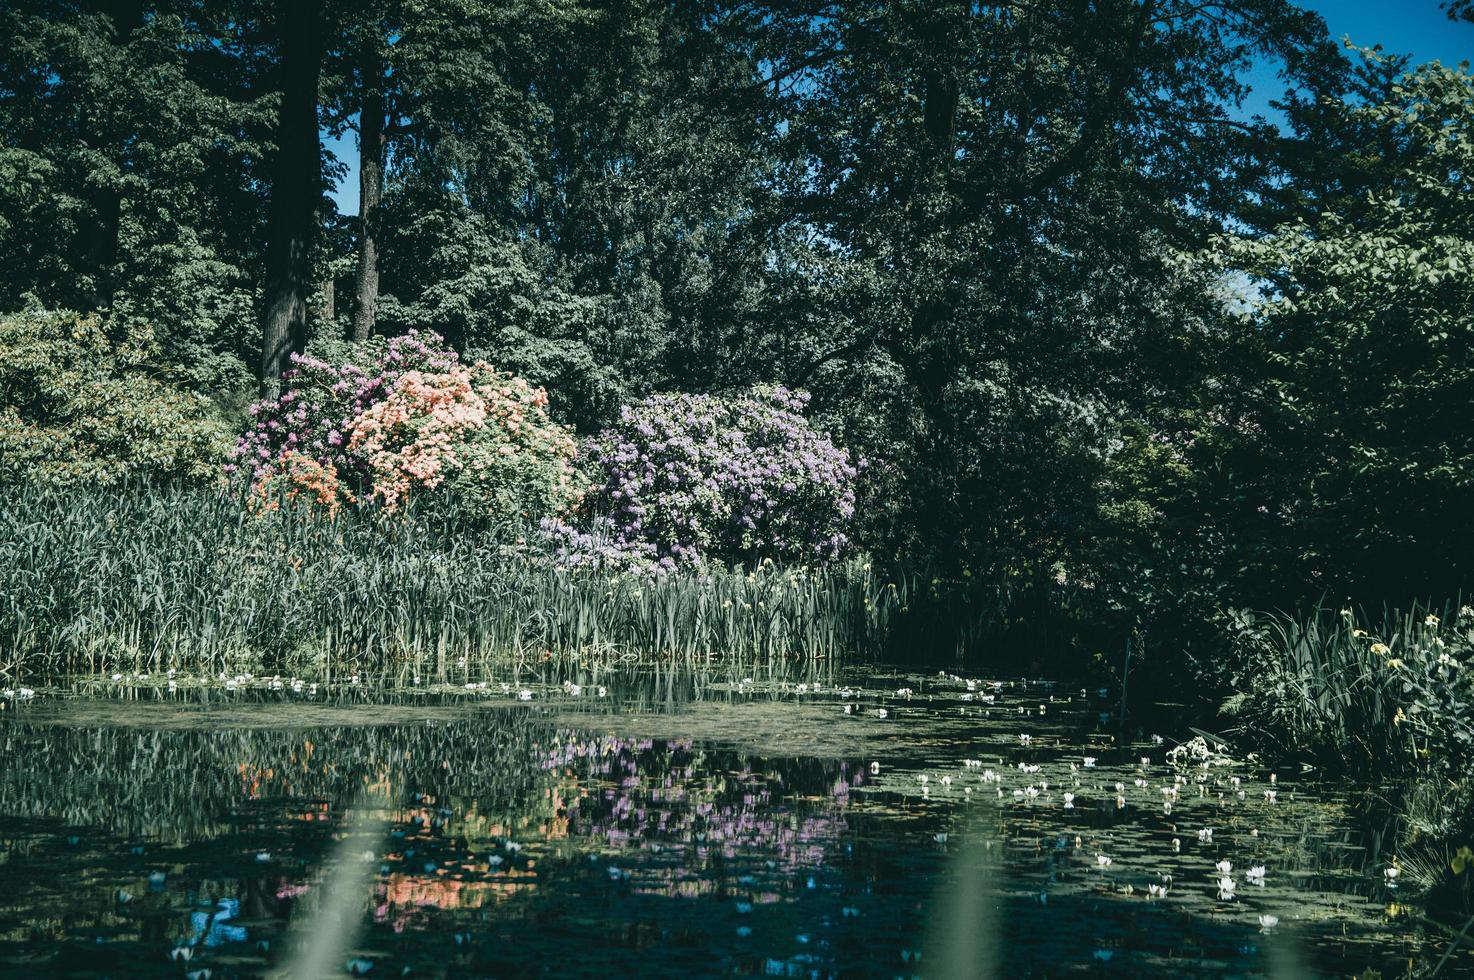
(154, 579)
(1376, 696)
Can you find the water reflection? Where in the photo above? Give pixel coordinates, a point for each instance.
(567, 838)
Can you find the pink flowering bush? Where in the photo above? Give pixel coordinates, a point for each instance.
(395, 420)
(479, 435)
(321, 397)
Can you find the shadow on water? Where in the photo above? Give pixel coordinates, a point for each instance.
(821, 823)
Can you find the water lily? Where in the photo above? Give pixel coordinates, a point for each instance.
(1268, 922)
(1224, 866)
(1225, 887)
(1256, 874)
(1103, 860)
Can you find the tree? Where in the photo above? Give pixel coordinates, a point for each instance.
(1349, 435)
(1005, 188)
(295, 188)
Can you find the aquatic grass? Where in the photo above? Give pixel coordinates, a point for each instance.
(154, 579)
(1385, 700)
(1378, 697)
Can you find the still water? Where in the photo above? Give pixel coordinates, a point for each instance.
(668, 823)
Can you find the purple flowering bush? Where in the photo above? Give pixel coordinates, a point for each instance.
(683, 478)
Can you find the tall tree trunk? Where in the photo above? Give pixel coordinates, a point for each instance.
(329, 299)
(370, 184)
(295, 191)
(100, 238)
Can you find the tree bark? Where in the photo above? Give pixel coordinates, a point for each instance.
(100, 238)
(370, 187)
(295, 191)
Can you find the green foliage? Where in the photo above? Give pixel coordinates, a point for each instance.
(1348, 428)
(81, 404)
(130, 141)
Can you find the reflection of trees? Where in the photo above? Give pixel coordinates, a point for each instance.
(182, 785)
(493, 810)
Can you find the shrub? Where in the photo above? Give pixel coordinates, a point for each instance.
(482, 436)
(388, 420)
(323, 395)
(685, 477)
(83, 401)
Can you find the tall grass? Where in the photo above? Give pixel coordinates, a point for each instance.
(159, 579)
(1365, 695)
(1386, 700)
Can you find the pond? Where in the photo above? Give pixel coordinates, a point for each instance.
(667, 822)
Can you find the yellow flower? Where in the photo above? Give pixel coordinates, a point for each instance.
(1431, 620)
(1380, 649)
(1395, 663)
(1399, 718)
(1463, 858)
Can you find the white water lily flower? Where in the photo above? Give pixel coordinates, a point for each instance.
(1268, 922)
(1225, 887)
(1224, 866)
(1256, 874)
(1090, 762)
(1069, 801)
(1102, 861)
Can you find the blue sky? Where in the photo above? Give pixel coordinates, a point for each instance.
(1416, 27)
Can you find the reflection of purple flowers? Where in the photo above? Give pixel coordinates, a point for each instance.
(685, 477)
(652, 796)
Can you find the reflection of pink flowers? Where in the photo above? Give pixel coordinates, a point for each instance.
(286, 891)
(667, 814)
